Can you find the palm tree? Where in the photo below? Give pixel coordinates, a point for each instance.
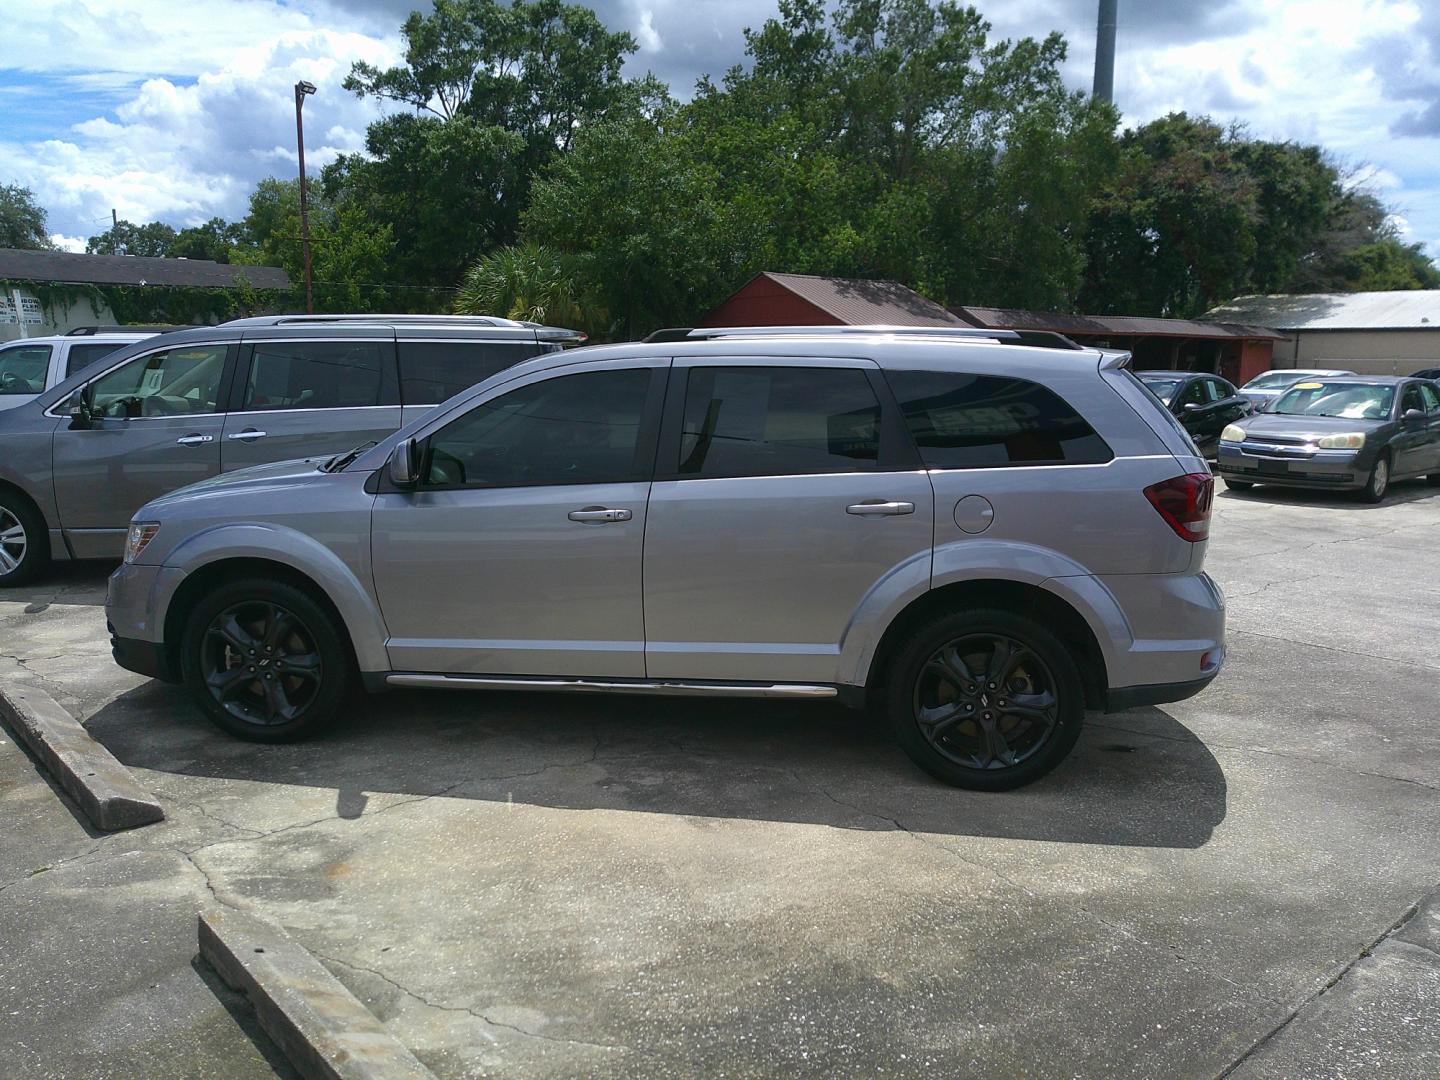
(531, 282)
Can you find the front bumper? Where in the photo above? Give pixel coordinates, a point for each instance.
(148, 658)
(135, 616)
(1293, 466)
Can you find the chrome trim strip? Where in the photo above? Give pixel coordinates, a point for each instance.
(603, 686)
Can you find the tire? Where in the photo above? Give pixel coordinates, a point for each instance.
(1238, 485)
(284, 626)
(24, 541)
(1378, 484)
(938, 668)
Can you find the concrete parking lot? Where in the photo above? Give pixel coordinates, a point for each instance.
(542, 886)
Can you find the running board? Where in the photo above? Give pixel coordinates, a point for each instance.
(602, 686)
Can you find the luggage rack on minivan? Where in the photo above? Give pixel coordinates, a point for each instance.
(1042, 338)
(542, 332)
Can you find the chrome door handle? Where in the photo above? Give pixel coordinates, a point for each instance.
(880, 508)
(599, 513)
(194, 440)
(246, 436)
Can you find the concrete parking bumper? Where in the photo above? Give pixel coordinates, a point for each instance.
(104, 789)
(321, 1027)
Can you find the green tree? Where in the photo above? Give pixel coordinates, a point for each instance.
(216, 240)
(22, 219)
(498, 91)
(152, 240)
(536, 283)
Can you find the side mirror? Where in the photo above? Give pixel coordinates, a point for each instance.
(1192, 407)
(78, 409)
(1412, 414)
(404, 465)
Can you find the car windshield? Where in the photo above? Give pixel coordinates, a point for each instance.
(1162, 388)
(23, 368)
(1271, 380)
(1353, 401)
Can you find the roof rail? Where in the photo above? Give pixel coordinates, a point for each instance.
(704, 332)
(476, 320)
(89, 331)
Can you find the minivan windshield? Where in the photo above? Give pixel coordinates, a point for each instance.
(1353, 401)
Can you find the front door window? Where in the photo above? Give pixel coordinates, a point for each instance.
(181, 381)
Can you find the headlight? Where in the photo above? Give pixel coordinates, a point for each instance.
(1232, 433)
(140, 534)
(1353, 441)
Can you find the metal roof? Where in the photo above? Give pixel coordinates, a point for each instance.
(856, 301)
(1108, 325)
(1414, 309)
(18, 264)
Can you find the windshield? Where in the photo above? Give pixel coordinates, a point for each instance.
(1353, 401)
(23, 369)
(1162, 388)
(1271, 380)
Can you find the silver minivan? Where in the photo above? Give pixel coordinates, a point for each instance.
(978, 537)
(172, 409)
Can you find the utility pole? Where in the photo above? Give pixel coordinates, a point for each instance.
(302, 90)
(114, 229)
(1105, 51)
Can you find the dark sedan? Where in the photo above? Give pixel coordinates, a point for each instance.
(1203, 403)
(1355, 433)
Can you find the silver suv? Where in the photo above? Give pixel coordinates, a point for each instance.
(167, 411)
(981, 538)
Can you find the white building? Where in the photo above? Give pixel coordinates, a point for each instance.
(1373, 333)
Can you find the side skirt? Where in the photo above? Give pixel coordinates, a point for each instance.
(666, 688)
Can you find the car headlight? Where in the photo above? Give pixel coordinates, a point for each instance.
(1352, 441)
(1232, 433)
(140, 535)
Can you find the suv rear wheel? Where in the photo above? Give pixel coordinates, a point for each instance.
(265, 661)
(24, 542)
(985, 699)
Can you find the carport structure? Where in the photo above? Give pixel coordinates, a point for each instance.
(1231, 350)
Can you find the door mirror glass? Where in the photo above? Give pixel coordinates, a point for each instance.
(404, 464)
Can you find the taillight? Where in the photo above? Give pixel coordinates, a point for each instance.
(1184, 503)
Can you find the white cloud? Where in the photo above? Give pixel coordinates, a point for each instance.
(68, 243)
(183, 152)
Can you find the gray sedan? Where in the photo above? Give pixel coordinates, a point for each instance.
(1345, 433)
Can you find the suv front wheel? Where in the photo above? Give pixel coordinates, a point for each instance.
(265, 661)
(985, 699)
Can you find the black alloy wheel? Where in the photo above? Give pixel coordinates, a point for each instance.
(265, 661)
(260, 664)
(985, 699)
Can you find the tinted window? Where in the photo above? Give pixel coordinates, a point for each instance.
(23, 368)
(756, 421)
(432, 371)
(971, 421)
(172, 382)
(82, 356)
(318, 375)
(1193, 394)
(1221, 389)
(1432, 398)
(1411, 399)
(576, 429)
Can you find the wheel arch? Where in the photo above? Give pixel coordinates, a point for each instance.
(220, 555)
(1055, 612)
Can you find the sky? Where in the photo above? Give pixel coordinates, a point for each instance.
(171, 111)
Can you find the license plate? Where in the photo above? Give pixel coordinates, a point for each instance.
(1274, 467)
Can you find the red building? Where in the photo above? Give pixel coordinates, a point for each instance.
(1236, 352)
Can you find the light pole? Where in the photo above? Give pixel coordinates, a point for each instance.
(304, 89)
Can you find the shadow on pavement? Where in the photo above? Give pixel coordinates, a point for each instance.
(1138, 778)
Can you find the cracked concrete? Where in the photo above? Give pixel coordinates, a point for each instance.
(544, 886)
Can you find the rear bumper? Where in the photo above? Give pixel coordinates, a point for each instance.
(1118, 699)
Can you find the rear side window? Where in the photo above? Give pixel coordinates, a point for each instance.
(434, 371)
(23, 368)
(319, 375)
(82, 356)
(973, 421)
(782, 421)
